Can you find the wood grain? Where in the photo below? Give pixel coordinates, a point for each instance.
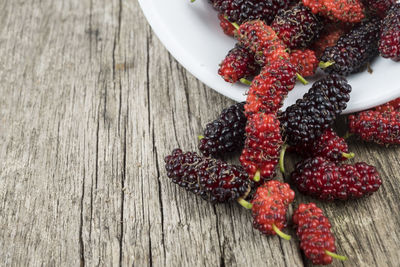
(91, 104)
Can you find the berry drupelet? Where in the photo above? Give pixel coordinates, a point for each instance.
(305, 61)
(297, 27)
(240, 11)
(379, 7)
(226, 133)
(325, 180)
(226, 26)
(389, 43)
(374, 126)
(270, 87)
(329, 146)
(343, 10)
(354, 50)
(314, 232)
(239, 63)
(309, 117)
(261, 150)
(269, 207)
(212, 179)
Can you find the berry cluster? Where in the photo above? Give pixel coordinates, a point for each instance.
(212, 179)
(354, 50)
(374, 126)
(329, 146)
(297, 27)
(389, 43)
(260, 155)
(240, 11)
(314, 232)
(269, 207)
(325, 180)
(343, 10)
(238, 64)
(308, 118)
(225, 134)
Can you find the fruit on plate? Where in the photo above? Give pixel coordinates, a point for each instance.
(270, 87)
(379, 7)
(314, 232)
(326, 180)
(238, 64)
(225, 134)
(305, 61)
(240, 11)
(354, 50)
(212, 179)
(389, 43)
(226, 25)
(343, 10)
(297, 27)
(260, 155)
(309, 117)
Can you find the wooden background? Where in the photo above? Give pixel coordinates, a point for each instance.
(91, 103)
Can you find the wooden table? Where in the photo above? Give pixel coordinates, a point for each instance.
(91, 103)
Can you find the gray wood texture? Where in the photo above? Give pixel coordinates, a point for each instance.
(91, 103)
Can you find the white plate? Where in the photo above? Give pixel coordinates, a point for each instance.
(191, 33)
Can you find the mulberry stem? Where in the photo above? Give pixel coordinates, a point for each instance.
(245, 81)
(257, 177)
(301, 79)
(282, 158)
(200, 137)
(348, 155)
(234, 24)
(336, 256)
(283, 235)
(324, 65)
(244, 203)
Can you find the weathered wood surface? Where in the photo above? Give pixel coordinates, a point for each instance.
(90, 104)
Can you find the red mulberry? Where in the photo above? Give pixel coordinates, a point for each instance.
(314, 232)
(261, 150)
(374, 126)
(324, 180)
(389, 43)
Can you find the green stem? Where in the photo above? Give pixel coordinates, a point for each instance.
(301, 79)
(347, 135)
(324, 65)
(234, 24)
(257, 176)
(244, 203)
(282, 158)
(348, 155)
(200, 137)
(336, 256)
(280, 233)
(245, 81)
